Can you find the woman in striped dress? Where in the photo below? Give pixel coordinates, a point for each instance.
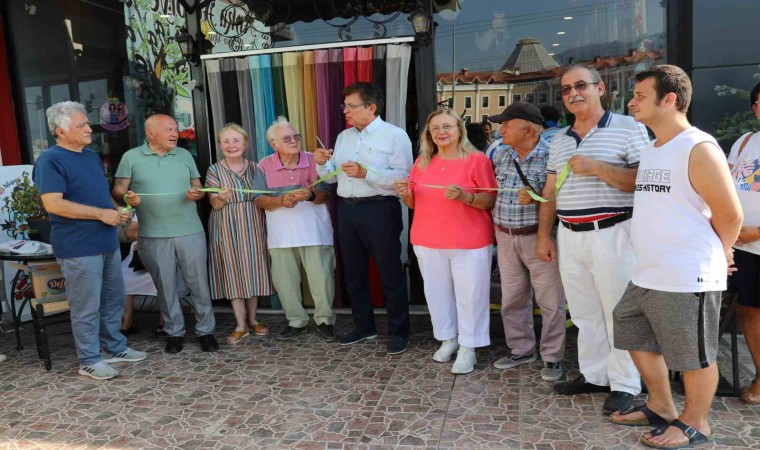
(238, 258)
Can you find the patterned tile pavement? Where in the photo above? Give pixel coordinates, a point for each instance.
(307, 394)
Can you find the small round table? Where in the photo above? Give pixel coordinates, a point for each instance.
(22, 259)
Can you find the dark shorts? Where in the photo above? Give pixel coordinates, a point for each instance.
(681, 326)
(746, 280)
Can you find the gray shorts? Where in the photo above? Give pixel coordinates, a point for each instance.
(683, 327)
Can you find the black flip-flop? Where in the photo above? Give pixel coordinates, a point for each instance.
(695, 437)
(650, 418)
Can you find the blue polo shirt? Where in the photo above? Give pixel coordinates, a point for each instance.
(81, 179)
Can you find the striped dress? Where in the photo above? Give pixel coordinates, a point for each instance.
(238, 257)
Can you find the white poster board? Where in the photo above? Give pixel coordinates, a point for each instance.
(9, 230)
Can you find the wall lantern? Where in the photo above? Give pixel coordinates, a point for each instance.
(193, 5)
(186, 45)
(422, 24)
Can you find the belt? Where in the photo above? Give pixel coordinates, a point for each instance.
(597, 224)
(374, 198)
(518, 231)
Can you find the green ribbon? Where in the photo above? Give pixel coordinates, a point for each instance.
(245, 191)
(561, 177)
(532, 194)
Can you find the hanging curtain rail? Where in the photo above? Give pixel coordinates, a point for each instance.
(299, 48)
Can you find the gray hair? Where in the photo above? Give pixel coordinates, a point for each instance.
(281, 121)
(595, 76)
(536, 127)
(59, 115)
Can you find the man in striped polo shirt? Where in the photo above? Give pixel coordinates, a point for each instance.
(596, 161)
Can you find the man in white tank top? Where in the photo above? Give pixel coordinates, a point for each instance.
(686, 218)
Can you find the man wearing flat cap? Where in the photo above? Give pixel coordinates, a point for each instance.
(520, 166)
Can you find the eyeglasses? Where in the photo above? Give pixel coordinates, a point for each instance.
(446, 129)
(345, 106)
(580, 86)
(289, 139)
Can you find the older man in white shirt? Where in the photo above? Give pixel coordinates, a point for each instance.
(373, 155)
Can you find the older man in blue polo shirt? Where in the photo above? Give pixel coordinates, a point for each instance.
(171, 234)
(74, 191)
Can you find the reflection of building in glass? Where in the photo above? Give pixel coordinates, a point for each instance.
(532, 74)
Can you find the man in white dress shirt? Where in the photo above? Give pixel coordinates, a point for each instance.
(373, 155)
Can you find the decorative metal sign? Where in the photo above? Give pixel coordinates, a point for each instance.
(231, 25)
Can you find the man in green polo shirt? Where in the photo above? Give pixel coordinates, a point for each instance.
(162, 181)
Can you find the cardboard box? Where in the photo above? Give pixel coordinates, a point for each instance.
(48, 283)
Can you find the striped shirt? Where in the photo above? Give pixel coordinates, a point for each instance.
(548, 134)
(615, 140)
(508, 212)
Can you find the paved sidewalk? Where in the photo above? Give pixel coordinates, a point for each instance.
(264, 393)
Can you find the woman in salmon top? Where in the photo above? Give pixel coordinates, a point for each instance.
(452, 234)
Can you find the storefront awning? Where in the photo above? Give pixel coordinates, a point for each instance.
(272, 12)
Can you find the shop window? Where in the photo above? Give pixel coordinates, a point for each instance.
(118, 59)
(524, 45)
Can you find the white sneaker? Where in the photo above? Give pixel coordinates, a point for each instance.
(99, 371)
(448, 348)
(127, 355)
(2, 358)
(465, 362)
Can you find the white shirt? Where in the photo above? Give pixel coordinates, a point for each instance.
(383, 148)
(304, 224)
(746, 175)
(676, 247)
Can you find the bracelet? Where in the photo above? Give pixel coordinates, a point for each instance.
(471, 199)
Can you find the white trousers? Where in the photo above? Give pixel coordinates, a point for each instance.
(596, 267)
(458, 290)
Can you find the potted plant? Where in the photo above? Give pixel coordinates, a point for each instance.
(26, 215)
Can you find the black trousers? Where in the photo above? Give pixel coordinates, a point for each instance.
(373, 229)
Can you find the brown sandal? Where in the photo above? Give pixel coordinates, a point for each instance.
(237, 336)
(259, 329)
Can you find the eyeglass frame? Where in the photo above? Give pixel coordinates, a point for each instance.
(445, 128)
(344, 106)
(290, 138)
(580, 86)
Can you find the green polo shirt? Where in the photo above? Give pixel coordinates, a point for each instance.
(170, 214)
